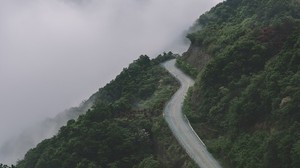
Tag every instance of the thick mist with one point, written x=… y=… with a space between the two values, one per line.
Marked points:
x=56 y=53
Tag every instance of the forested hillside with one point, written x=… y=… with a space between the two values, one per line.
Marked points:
x=124 y=128
x=245 y=58
x=246 y=100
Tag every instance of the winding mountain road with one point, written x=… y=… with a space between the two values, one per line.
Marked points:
x=180 y=125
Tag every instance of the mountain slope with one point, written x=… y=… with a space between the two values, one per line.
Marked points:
x=124 y=128
x=245 y=102
x=245 y=56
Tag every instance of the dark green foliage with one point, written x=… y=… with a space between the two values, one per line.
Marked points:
x=149 y=162
x=186 y=68
x=246 y=101
x=121 y=128
x=164 y=57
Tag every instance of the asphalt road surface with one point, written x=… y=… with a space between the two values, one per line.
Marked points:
x=180 y=125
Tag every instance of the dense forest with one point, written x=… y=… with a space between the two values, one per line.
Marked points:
x=246 y=100
x=245 y=58
x=124 y=128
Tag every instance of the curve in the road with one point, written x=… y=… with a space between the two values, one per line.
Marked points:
x=180 y=126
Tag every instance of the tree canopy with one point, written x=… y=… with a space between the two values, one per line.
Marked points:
x=245 y=102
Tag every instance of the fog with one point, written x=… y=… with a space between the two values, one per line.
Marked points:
x=56 y=53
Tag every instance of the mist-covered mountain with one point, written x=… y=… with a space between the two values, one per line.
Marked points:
x=245 y=58
x=15 y=148
x=56 y=53
x=123 y=128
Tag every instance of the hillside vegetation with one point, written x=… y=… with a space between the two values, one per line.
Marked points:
x=124 y=128
x=245 y=58
x=246 y=100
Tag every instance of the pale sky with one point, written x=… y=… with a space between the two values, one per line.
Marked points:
x=56 y=53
